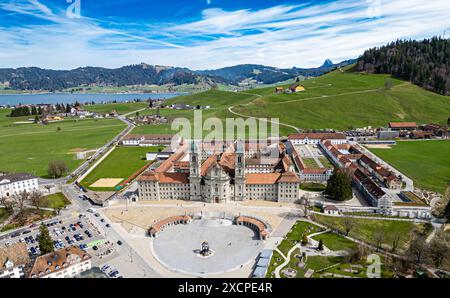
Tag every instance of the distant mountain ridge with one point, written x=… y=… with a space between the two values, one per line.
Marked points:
x=34 y=78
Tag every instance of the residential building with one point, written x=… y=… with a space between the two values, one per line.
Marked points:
x=63 y=263
x=12 y=184
x=14 y=260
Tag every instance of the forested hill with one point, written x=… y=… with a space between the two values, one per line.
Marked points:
x=425 y=63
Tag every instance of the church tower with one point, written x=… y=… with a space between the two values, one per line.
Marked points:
x=194 y=172
x=239 y=172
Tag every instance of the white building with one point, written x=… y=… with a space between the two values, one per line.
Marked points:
x=63 y=263
x=13 y=260
x=314 y=138
x=219 y=178
x=149 y=140
x=11 y=184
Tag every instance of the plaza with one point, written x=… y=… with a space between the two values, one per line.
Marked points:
x=232 y=246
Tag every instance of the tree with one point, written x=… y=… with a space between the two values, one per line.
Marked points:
x=349 y=224
x=36 y=119
x=417 y=249
x=19 y=201
x=36 y=199
x=57 y=168
x=378 y=238
x=320 y=245
x=448 y=121
x=45 y=241
x=304 y=202
x=395 y=241
x=304 y=241
x=439 y=249
x=58 y=128
x=48 y=187
x=150 y=104
x=68 y=108
x=33 y=110
x=339 y=186
x=7 y=203
x=137 y=114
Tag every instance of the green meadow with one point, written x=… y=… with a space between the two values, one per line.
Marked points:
x=30 y=147
x=426 y=162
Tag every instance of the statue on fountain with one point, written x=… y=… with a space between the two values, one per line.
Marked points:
x=206 y=251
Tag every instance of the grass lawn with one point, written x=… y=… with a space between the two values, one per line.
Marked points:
x=426 y=162
x=30 y=147
x=325 y=162
x=295 y=235
x=121 y=163
x=310 y=163
x=4 y=214
x=311 y=186
x=335 y=242
x=56 y=200
x=120 y=108
x=366 y=229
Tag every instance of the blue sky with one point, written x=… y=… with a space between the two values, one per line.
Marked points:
x=205 y=34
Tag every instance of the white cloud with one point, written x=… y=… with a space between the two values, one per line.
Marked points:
x=283 y=36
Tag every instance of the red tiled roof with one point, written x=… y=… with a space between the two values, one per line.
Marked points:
x=402 y=124
x=317 y=135
x=262 y=178
x=288 y=177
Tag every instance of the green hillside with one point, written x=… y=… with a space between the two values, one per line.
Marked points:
x=338 y=100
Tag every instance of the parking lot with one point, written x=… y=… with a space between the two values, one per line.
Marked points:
x=64 y=232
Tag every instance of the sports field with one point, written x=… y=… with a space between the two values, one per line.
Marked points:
x=119 y=165
x=426 y=162
x=30 y=147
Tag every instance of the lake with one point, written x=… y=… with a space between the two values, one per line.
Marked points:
x=53 y=98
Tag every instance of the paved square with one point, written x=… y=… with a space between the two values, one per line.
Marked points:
x=233 y=246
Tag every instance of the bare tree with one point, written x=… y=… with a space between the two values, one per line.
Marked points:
x=36 y=199
x=439 y=249
x=417 y=249
x=305 y=203
x=378 y=237
x=8 y=203
x=48 y=187
x=349 y=224
x=20 y=199
x=395 y=241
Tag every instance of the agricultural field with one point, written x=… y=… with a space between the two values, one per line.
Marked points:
x=367 y=229
x=120 y=108
x=120 y=164
x=30 y=147
x=426 y=162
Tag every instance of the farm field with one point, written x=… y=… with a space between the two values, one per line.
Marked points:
x=120 y=164
x=426 y=162
x=30 y=147
x=120 y=108
x=367 y=229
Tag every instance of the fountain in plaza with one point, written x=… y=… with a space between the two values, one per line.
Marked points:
x=206 y=250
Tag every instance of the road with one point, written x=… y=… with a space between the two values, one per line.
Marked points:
x=129 y=257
